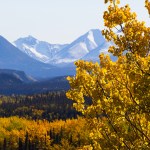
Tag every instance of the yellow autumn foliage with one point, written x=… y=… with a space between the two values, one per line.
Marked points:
x=20 y=133
x=118 y=116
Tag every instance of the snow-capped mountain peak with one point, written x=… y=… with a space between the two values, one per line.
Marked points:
x=39 y=50
x=87 y=46
x=79 y=48
x=58 y=59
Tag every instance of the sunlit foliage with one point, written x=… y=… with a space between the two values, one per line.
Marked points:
x=119 y=116
x=20 y=133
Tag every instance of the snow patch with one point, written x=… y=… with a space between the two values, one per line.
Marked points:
x=91 y=38
x=33 y=53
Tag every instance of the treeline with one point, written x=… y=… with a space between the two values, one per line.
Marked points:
x=49 y=106
x=22 y=134
x=41 y=122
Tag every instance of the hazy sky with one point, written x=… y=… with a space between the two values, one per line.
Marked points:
x=55 y=21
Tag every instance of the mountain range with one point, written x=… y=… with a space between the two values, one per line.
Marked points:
x=87 y=46
x=41 y=59
x=13 y=58
x=29 y=65
x=39 y=50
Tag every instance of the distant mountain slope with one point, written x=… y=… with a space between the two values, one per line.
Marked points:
x=61 y=55
x=11 y=78
x=79 y=48
x=94 y=54
x=7 y=79
x=12 y=58
x=39 y=50
x=43 y=60
x=18 y=87
x=20 y=76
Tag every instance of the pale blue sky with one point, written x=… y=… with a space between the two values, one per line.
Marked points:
x=55 y=21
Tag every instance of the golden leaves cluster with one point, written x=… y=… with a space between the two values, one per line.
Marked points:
x=118 y=113
x=116 y=15
x=147 y=5
x=133 y=35
x=112 y=1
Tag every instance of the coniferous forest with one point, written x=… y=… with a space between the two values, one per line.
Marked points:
x=40 y=121
x=49 y=106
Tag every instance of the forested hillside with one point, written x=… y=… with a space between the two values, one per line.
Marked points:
x=41 y=121
x=49 y=106
x=22 y=134
x=11 y=85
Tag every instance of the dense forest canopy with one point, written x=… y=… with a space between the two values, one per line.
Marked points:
x=49 y=106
